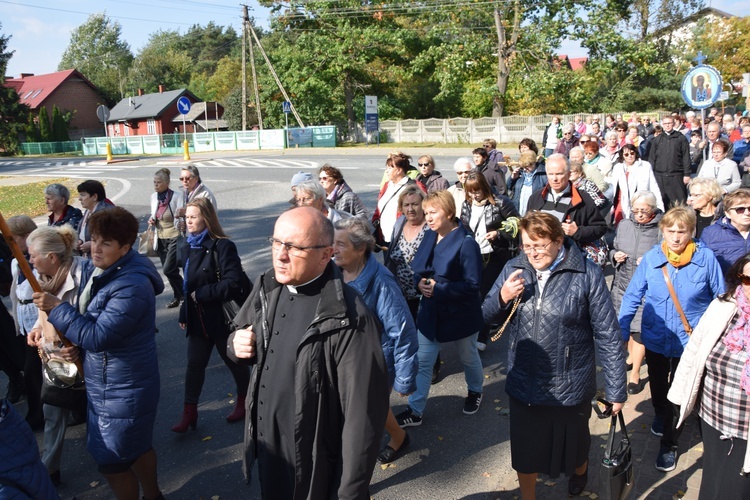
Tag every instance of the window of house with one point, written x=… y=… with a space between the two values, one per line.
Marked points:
x=151 y=126
x=27 y=95
x=36 y=93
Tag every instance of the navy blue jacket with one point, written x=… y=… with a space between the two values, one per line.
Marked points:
x=553 y=337
x=454 y=311
x=726 y=242
x=538 y=181
x=19 y=460
x=120 y=364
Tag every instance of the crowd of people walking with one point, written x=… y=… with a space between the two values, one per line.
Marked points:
x=357 y=306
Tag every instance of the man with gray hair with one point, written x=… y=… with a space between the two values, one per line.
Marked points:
x=463 y=167
x=580 y=218
x=312 y=194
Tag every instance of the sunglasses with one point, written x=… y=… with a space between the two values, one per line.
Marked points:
x=185 y=178
x=740 y=210
x=424 y=164
x=628 y=153
x=744 y=279
x=323 y=178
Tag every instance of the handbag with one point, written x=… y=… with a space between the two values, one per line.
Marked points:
x=63 y=385
x=677 y=305
x=231 y=307
x=616 y=470
x=149 y=243
x=596 y=251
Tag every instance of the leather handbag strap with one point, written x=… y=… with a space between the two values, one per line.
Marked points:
x=685 y=324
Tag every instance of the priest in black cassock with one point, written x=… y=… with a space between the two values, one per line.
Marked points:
x=318 y=395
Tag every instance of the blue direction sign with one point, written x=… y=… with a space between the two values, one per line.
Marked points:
x=286 y=106
x=183 y=105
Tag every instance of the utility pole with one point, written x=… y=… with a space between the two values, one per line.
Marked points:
x=275 y=76
x=244 y=65
x=246 y=23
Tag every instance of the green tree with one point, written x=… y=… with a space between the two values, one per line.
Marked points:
x=13 y=114
x=45 y=130
x=96 y=50
x=32 y=129
x=726 y=43
x=59 y=126
x=329 y=55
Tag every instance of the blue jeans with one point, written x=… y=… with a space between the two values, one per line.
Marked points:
x=427 y=354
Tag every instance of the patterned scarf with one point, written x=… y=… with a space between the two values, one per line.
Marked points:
x=738 y=338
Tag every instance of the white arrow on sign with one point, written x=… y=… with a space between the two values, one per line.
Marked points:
x=183 y=105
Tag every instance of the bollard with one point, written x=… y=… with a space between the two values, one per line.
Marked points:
x=109 y=152
x=186 y=147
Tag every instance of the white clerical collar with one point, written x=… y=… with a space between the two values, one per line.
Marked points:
x=293 y=288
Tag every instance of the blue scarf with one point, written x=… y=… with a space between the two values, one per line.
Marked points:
x=195 y=241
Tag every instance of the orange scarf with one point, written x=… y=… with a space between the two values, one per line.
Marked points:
x=679 y=259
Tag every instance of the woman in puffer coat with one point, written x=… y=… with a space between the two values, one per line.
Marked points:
x=352 y=251
x=114 y=324
x=561 y=315
x=635 y=236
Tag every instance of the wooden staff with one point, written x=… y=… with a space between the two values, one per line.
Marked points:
x=23 y=264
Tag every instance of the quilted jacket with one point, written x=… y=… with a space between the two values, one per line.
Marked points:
x=380 y=291
x=726 y=242
x=696 y=285
x=19 y=460
x=553 y=337
x=117 y=334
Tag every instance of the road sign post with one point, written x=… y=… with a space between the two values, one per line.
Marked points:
x=371 y=117
x=286 y=106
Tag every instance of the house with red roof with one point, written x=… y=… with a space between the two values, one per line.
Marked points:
x=150 y=114
x=70 y=91
x=572 y=63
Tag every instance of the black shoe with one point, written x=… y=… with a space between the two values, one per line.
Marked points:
x=408 y=419
x=388 y=454
x=635 y=388
x=629 y=366
x=174 y=303
x=55 y=478
x=577 y=483
x=472 y=402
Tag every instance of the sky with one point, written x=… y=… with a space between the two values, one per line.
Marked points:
x=40 y=29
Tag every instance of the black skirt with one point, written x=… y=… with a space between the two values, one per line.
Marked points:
x=549 y=439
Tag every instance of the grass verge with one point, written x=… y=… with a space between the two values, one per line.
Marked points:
x=28 y=198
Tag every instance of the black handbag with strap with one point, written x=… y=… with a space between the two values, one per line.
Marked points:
x=232 y=306
x=616 y=471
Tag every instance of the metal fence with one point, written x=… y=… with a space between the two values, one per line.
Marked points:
x=311 y=137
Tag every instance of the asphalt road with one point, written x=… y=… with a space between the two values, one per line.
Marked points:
x=450 y=451
x=452 y=455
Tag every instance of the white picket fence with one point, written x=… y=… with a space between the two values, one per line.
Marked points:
x=504 y=129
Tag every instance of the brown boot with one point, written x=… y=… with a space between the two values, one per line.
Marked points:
x=189 y=418
x=239 y=410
